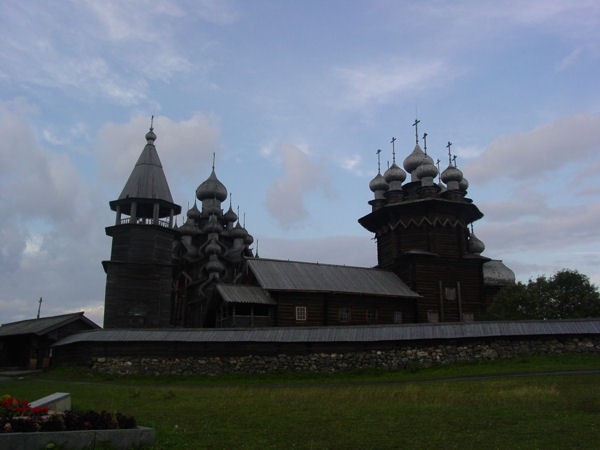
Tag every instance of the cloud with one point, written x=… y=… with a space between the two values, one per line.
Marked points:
x=570 y=59
x=49 y=216
x=184 y=147
x=382 y=82
x=545 y=149
x=108 y=50
x=476 y=19
x=352 y=163
x=286 y=196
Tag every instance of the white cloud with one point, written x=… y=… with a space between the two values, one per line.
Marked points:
x=570 y=59
x=351 y=163
x=49 y=216
x=383 y=82
x=105 y=50
x=185 y=147
x=547 y=148
x=286 y=196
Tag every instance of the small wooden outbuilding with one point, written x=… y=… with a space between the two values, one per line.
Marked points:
x=27 y=343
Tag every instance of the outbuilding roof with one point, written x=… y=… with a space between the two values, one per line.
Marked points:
x=373 y=333
x=278 y=275
x=235 y=293
x=43 y=325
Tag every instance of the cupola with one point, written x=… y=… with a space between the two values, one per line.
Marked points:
x=475 y=245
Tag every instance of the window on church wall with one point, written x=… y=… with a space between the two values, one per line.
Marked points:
x=433 y=316
x=136 y=320
x=468 y=317
x=344 y=314
x=397 y=316
x=450 y=293
x=300 y=313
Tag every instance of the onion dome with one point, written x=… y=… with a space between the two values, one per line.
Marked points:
x=238 y=232
x=150 y=136
x=214 y=265
x=189 y=228
x=463 y=184
x=394 y=174
x=230 y=216
x=213 y=225
x=248 y=240
x=452 y=176
x=194 y=212
x=211 y=188
x=427 y=169
x=378 y=184
x=211 y=206
x=475 y=245
x=496 y=273
x=414 y=160
x=213 y=248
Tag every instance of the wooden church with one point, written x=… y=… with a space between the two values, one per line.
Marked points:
x=204 y=273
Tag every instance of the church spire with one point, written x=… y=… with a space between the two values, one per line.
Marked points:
x=148 y=180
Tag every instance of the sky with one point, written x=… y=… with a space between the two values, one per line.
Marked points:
x=294 y=98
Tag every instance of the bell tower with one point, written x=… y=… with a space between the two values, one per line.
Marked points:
x=139 y=274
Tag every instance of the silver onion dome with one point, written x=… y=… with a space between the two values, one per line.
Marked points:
x=150 y=136
x=213 y=248
x=414 y=160
x=211 y=188
x=194 y=212
x=230 y=216
x=213 y=225
x=451 y=174
x=475 y=245
x=394 y=174
x=238 y=232
x=378 y=183
x=425 y=170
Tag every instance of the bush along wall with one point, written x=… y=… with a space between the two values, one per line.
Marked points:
x=405 y=355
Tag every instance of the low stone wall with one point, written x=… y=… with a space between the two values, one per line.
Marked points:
x=404 y=355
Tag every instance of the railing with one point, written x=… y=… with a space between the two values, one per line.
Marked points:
x=144 y=221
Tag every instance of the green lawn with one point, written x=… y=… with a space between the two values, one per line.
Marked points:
x=427 y=408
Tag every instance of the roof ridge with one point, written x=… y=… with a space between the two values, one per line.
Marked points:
x=315 y=263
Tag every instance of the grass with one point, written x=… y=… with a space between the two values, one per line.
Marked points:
x=424 y=408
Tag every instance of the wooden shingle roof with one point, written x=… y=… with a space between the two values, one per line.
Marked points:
x=278 y=275
x=235 y=293
x=43 y=325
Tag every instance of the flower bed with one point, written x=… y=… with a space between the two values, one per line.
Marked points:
x=24 y=427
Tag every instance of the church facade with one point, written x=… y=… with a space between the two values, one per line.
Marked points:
x=205 y=273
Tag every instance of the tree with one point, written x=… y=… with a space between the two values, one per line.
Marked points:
x=568 y=294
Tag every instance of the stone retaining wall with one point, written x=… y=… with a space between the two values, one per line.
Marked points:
x=404 y=355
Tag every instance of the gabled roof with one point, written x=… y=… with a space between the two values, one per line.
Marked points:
x=235 y=293
x=147 y=180
x=277 y=275
x=43 y=325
